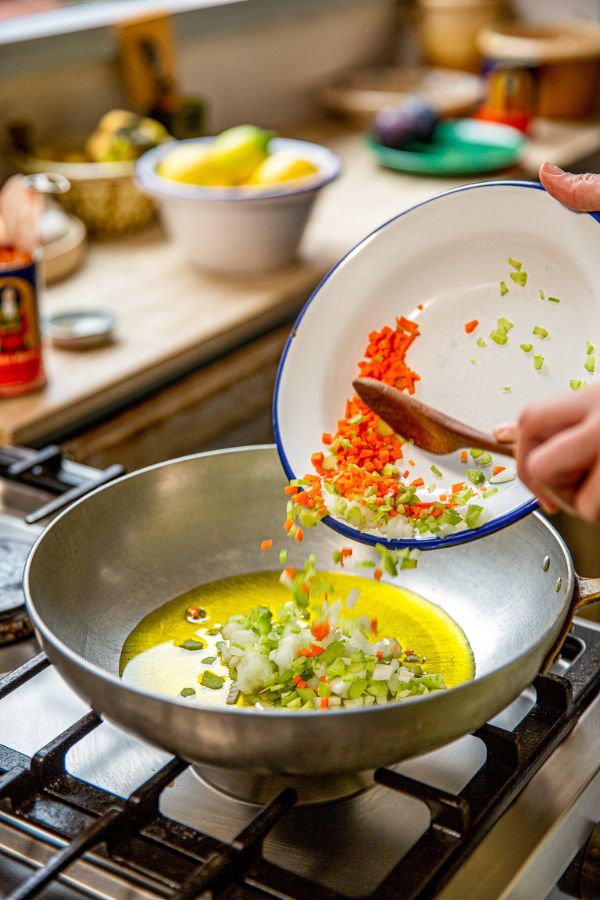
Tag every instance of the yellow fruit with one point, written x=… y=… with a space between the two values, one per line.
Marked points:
x=152 y=130
x=282 y=166
x=193 y=164
x=240 y=150
x=117 y=119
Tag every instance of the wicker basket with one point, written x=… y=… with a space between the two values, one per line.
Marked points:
x=103 y=195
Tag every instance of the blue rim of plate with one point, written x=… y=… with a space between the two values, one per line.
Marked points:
x=459 y=537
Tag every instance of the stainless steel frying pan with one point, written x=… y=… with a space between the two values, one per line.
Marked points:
x=135 y=543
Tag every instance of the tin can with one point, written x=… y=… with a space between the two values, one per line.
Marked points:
x=21 y=366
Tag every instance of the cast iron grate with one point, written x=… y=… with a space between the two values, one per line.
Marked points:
x=131 y=836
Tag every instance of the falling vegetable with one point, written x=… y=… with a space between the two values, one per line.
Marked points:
x=471 y=326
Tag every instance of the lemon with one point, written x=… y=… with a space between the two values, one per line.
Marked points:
x=240 y=150
x=282 y=166
x=193 y=164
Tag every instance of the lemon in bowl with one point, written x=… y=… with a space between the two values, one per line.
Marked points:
x=228 y=216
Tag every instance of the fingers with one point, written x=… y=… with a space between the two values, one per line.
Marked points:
x=506 y=432
x=578 y=192
x=587 y=499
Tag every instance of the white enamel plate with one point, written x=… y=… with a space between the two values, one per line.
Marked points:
x=449 y=255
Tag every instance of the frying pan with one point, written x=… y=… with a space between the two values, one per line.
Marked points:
x=135 y=543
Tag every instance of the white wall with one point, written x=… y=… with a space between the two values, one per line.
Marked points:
x=265 y=74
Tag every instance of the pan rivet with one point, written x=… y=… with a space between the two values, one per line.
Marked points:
x=546 y=563
x=558 y=584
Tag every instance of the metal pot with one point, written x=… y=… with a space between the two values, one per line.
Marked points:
x=133 y=544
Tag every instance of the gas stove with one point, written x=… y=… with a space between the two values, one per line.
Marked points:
x=88 y=811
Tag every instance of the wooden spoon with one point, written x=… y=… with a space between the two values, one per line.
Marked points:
x=434 y=431
x=429 y=429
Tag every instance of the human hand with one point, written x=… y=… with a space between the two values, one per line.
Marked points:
x=558 y=451
x=578 y=192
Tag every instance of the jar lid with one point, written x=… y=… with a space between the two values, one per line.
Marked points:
x=80 y=328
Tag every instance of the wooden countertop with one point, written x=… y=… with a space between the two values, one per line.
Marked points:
x=172 y=319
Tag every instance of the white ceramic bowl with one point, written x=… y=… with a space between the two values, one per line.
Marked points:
x=238 y=229
x=448 y=255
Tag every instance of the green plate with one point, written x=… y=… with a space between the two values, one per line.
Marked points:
x=458 y=147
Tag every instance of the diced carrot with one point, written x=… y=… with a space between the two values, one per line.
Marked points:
x=317 y=649
x=373 y=626
x=458 y=487
x=299 y=536
x=420 y=306
x=326 y=438
x=379 y=655
x=265 y=545
x=346 y=551
x=463 y=456
x=288 y=524
x=377 y=573
x=418 y=482
x=320 y=630
x=497 y=469
x=290 y=571
x=304 y=651
x=324 y=702
x=471 y=326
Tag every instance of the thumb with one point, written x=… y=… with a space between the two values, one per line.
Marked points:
x=578 y=192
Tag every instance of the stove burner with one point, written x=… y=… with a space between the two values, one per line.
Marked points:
x=13 y=555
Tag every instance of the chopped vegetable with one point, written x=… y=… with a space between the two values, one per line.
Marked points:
x=500 y=333
x=515 y=263
x=211 y=680
x=476 y=476
x=503 y=288
x=471 y=326
x=507 y=474
x=538 y=362
x=554 y=299
x=283 y=557
x=590 y=364
x=463 y=456
x=519 y=278
x=506 y=390
x=191 y=645
x=473 y=515
x=481 y=342
x=208 y=660
x=497 y=469
x=187 y=692
x=540 y=332
x=289 y=661
x=527 y=348
x=576 y=384
x=542 y=295
x=436 y=471
x=589 y=347
x=266 y=545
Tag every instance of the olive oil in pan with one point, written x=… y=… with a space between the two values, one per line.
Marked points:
x=153 y=659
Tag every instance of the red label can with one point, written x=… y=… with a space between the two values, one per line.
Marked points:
x=21 y=367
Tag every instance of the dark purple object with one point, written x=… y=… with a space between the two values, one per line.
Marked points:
x=412 y=120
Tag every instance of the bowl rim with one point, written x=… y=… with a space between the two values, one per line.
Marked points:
x=364 y=537
x=150 y=181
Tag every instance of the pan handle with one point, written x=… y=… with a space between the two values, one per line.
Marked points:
x=587 y=591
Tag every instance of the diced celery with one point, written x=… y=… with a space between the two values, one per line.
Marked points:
x=383 y=428
x=436 y=471
x=473 y=514
x=519 y=278
x=538 y=362
x=475 y=476
x=540 y=331
x=354 y=516
x=357 y=688
x=484 y=460
x=506 y=390
x=504 y=324
x=475 y=452
x=542 y=295
x=589 y=347
x=554 y=299
x=499 y=337
x=503 y=288
x=590 y=364
x=283 y=558
x=481 y=342
x=515 y=263
x=527 y=348
x=576 y=384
